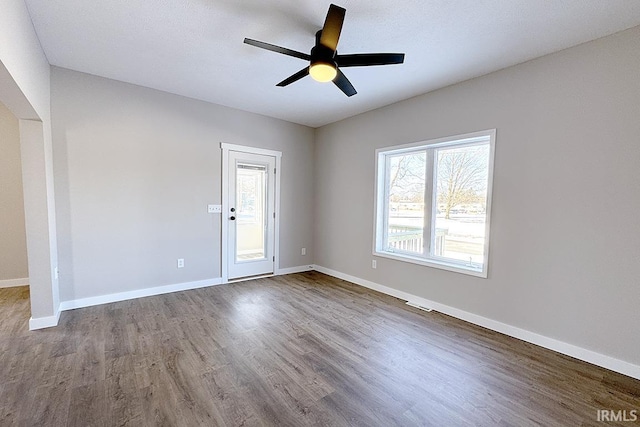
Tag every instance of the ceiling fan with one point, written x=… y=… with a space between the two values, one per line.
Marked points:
x=324 y=60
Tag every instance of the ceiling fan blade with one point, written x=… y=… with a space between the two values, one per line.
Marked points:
x=344 y=84
x=294 y=78
x=366 y=59
x=278 y=49
x=332 y=27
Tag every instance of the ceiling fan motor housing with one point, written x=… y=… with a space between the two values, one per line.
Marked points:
x=322 y=54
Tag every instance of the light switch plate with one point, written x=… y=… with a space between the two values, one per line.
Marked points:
x=214 y=208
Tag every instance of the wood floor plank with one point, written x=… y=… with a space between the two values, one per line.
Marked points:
x=227 y=398
x=88 y=406
x=301 y=350
x=125 y=407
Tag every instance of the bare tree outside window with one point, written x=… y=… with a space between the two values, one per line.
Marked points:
x=462 y=177
x=407 y=176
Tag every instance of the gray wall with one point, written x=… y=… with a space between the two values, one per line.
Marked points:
x=13 y=243
x=135 y=169
x=565 y=240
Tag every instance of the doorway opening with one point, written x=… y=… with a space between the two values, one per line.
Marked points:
x=14 y=270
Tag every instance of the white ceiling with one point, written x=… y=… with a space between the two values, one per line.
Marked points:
x=195 y=47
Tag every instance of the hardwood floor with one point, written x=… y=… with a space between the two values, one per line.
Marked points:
x=297 y=350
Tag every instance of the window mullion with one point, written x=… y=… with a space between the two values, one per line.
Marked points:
x=428 y=203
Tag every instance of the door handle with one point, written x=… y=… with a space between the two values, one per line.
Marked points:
x=232 y=218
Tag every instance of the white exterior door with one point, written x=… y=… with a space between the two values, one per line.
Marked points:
x=249 y=215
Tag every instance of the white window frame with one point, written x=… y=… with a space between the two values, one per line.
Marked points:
x=381 y=168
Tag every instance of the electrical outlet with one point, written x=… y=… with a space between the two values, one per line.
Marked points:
x=303 y=251
x=374 y=263
x=180 y=262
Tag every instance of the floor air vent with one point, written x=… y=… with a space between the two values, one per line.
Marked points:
x=418 y=306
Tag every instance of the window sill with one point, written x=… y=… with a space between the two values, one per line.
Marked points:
x=435 y=263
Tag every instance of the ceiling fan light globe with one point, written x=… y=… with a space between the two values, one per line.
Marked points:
x=323 y=72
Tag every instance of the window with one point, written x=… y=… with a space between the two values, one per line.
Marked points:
x=433 y=202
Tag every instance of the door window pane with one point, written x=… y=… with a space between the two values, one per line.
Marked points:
x=251 y=185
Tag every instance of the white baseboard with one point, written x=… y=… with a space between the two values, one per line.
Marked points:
x=140 y=293
x=11 y=283
x=44 y=322
x=47 y=322
x=581 y=353
x=292 y=270
x=159 y=290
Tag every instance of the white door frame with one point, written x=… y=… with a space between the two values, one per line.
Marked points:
x=226 y=148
